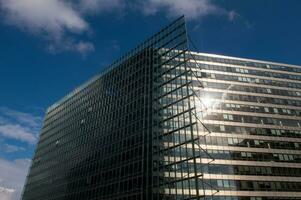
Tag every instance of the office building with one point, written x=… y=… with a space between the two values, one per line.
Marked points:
x=164 y=122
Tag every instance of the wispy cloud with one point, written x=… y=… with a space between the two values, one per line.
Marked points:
x=60 y=22
x=192 y=9
x=100 y=6
x=18 y=125
x=24 y=118
x=232 y=15
x=71 y=45
x=24 y=127
x=63 y=23
x=53 y=20
x=8 y=148
x=12 y=178
x=35 y=14
x=6 y=193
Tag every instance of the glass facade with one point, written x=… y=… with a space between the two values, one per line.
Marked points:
x=167 y=123
x=97 y=142
x=253 y=111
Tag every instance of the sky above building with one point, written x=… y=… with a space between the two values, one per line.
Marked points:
x=49 y=47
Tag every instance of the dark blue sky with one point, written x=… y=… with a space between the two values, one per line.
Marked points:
x=32 y=77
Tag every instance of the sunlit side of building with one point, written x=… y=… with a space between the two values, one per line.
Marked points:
x=253 y=112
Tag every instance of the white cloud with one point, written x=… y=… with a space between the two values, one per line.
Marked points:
x=12 y=178
x=52 y=16
x=192 y=9
x=62 y=22
x=18 y=125
x=8 y=148
x=81 y=47
x=21 y=117
x=96 y=6
x=51 y=19
x=232 y=15
x=15 y=131
x=6 y=193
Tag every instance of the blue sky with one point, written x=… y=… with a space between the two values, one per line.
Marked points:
x=48 y=47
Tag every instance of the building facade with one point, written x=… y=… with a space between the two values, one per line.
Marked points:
x=253 y=112
x=164 y=122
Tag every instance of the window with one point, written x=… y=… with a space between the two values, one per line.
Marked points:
x=220 y=183
x=230 y=141
x=226 y=183
x=228 y=117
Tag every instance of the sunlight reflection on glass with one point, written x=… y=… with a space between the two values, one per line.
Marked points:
x=205 y=105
